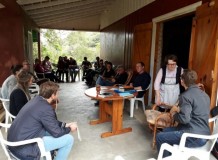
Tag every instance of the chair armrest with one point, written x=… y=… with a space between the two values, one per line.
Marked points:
x=168 y=148
x=213 y=119
x=5 y=125
x=186 y=135
x=39 y=142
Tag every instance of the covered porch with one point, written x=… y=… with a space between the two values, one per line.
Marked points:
x=76 y=106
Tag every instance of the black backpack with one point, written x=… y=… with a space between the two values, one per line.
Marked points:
x=178 y=74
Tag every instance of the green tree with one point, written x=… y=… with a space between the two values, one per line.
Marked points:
x=55 y=43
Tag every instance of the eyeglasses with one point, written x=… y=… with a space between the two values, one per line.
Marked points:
x=171 y=64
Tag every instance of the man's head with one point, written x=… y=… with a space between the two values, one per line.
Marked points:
x=188 y=78
x=140 y=67
x=48 y=90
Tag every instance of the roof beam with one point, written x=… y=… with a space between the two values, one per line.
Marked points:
x=71 y=17
x=50 y=4
x=26 y=2
x=69 y=12
x=68 y=6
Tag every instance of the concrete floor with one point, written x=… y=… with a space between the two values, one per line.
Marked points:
x=75 y=106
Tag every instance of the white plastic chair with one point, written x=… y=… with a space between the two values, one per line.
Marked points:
x=8 y=115
x=34 y=90
x=175 y=155
x=202 y=153
x=10 y=156
x=180 y=151
x=134 y=101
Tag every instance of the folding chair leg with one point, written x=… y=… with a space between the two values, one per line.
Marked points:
x=136 y=104
x=143 y=105
x=132 y=101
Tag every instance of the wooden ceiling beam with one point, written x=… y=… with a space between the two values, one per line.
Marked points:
x=63 y=18
x=26 y=2
x=66 y=7
x=69 y=12
x=48 y=4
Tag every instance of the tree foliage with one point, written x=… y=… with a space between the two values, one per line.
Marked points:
x=55 y=43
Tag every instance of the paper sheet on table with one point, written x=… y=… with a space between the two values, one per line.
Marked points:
x=125 y=94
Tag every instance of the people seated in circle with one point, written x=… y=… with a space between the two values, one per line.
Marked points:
x=37 y=119
x=38 y=68
x=20 y=94
x=107 y=75
x=9 y=84
x=142 y=80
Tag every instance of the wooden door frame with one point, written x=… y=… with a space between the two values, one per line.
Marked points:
x=156 y=21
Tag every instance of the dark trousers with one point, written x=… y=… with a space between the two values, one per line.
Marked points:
x=173 y=136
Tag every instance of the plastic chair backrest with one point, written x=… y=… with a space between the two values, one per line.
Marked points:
x=5 y=103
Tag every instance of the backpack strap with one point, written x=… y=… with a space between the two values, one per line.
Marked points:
x=163 y=74
x=178 y=74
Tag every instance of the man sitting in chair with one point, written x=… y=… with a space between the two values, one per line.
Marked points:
x=38 y=119
x=142 y=79
x=192 y=114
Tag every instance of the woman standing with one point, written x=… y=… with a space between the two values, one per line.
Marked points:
x=20 y=95
x=167 y=82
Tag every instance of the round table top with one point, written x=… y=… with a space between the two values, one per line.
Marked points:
x=106 y=93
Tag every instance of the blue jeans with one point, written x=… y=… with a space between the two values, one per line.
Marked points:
x=103 y=82
x=172 y=136
x=63 y=144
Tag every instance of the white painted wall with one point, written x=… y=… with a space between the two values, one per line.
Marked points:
x=120 y=9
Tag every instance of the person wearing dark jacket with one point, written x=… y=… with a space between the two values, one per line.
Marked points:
x=192 y=114
x=37 y=119
x=20 y=94
x=142 y=80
